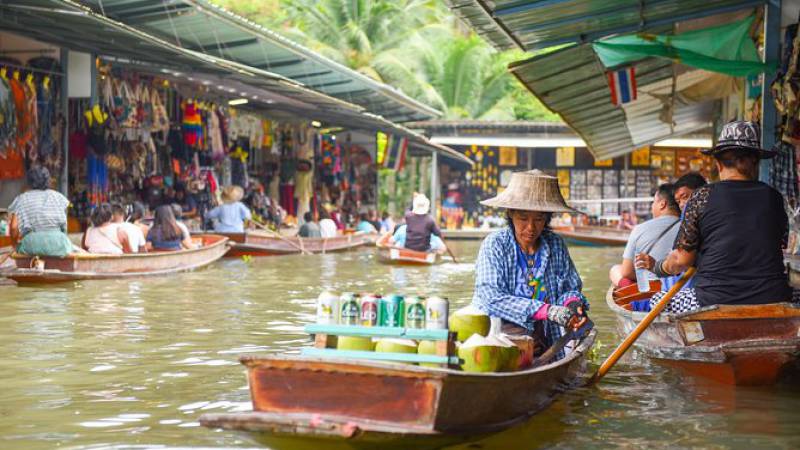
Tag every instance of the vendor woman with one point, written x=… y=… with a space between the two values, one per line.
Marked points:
x=524 y=274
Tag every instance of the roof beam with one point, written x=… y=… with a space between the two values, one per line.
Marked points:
x=332 y=83
x=288 y=62
x=310 y=75
x=222 y=46
x=525 y=6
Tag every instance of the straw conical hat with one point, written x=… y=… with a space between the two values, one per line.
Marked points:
x=531 y=191
x=232 y=194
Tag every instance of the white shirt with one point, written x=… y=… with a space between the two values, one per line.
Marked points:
x=135 y=236
x=327 y=228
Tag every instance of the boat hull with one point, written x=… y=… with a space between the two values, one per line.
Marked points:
x=263 y=244
x=752 y=345
x=373 y=403
x=100 y=267
x=388 y=254
x=593 y=236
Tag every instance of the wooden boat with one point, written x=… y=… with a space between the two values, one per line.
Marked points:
x=742 y=345
x=398 y=255
x=472 y=234
x=98 y=267
x=258 y=243
x=593 y=236
x=384 y=405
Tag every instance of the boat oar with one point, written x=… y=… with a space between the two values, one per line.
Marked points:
x=648 y=319
x=447 y=247
x=281 y=237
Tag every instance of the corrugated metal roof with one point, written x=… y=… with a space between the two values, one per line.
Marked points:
x=531 y=25
x=68 y=24
x=202 y=26
x=572 y=82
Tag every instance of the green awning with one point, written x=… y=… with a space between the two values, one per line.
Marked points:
x=726 y=49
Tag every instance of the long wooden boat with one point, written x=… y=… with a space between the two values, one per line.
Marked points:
x=398 y=255
x=467 y=234
x=98 y=267
x=385 y=405
x=257 y=243
x=593 y=236
x=742 y=345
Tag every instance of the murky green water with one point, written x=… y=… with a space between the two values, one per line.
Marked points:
x=133 y=364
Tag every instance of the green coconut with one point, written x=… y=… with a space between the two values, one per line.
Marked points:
x=358 y=343
x=525 y=345
x=509 y=353
x=427 y=348
x=467 y=321
x=480 y=355
x=396 y=346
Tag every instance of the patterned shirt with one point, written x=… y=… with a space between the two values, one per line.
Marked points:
x=40 y=210
x=496 y=278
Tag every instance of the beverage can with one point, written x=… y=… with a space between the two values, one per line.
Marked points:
x=349 y=309
x=390 y=313
x=369 y=310
x=327 y=308
x=436 y=313
x=414 y=312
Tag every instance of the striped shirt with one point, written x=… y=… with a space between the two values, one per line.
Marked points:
x=40 y=210
x=496 y=279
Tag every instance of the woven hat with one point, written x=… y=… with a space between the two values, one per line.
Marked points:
x=531 y=191
x=232 y=194
x=740 y=134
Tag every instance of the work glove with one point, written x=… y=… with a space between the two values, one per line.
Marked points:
x=566 y=316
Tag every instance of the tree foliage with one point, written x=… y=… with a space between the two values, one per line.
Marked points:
x=414 y=45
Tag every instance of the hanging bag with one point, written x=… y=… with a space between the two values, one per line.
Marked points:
x=160 y=122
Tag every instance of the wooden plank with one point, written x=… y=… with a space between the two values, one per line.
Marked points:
x=376 y=356
x=395 y=332
x=729 y=312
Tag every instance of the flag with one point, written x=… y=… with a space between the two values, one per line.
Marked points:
x=394 y=156
x=622 y=83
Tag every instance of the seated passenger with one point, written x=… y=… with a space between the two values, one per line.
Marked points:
x=136 y=239
x=420 y=226
x=364 y=225
x=309 y=229
x=327 y=227
x=654 y=236
x=230 y=216
x=685 y=186
x=38 y=221
x=186 y=241
x=165 y=234
x=524 y=274
x=399 y=240
x=733 y=231
x=105 y=236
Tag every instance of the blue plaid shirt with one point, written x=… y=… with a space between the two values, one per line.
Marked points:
x=496 y=278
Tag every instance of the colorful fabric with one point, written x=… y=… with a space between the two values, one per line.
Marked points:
x=623 y=85
x=40 y=210
x=496 y=280
x=783 y=172
x=394 y=157
x=683 y=301
x=192 y=125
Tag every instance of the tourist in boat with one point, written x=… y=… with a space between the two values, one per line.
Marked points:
x=626 y=221
x=165 y=234
x=186 y=201
x=387 y=223
x=309 y=229
x=136 y=240
x=105 y=236
x=654 y=236
x=685 y=187
x=230 y=216
x=734 y=232
x=327 y=227
x=186 y=242
x=364 y=224
x=524 y=274
x=420 y=226
x=38 y=220
x=138 y=213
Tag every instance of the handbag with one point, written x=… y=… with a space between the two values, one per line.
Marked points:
x=160 y=117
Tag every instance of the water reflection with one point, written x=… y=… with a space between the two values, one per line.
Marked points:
x=133 y=364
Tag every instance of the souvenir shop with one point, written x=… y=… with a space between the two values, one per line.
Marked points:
x=158 y=138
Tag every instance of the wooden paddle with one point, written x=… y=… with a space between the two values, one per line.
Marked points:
x=281 y=237
x=447 y=247
x=648 y=319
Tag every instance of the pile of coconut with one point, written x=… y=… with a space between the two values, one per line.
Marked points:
x=480 y=342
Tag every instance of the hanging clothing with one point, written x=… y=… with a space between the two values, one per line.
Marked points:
x=303 y=191
x=287 y=198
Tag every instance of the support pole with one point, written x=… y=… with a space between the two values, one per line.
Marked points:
x=93 y=81
x=434 y=182
x=64 y=56
x=769 y=116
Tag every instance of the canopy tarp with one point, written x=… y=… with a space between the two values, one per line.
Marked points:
x=726 y=49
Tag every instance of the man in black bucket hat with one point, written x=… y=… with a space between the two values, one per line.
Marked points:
x=734 y=232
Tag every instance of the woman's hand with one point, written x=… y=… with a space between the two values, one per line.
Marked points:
x=572 y=316
x=645 y=261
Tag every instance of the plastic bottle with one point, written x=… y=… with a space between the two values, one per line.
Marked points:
x=643 y=279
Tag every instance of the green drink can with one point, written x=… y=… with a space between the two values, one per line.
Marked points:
x=349 y=309
x=414 y=312
x=391 y=312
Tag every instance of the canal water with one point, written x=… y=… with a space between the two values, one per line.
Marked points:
x=133 y=364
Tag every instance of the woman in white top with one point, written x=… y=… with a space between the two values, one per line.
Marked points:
x=134 y=232
x=105 y=236
x=327 y=227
